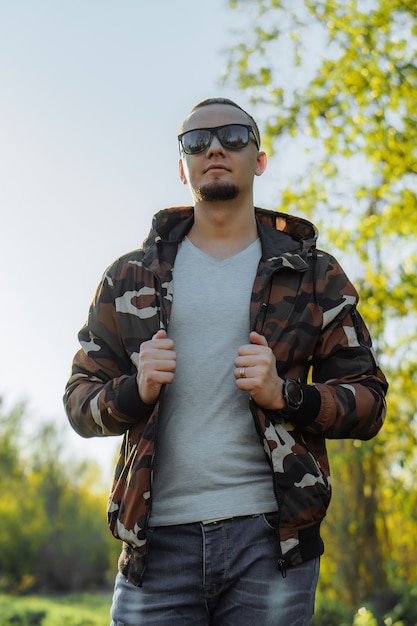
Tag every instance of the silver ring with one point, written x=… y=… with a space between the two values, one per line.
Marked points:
x=242 y=372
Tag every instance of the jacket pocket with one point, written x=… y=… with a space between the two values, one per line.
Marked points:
x=119 y=521
x=303 y=490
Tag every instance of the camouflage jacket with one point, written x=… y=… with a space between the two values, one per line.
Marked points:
x=305 y=306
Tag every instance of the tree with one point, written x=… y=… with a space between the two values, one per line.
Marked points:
x=53 y=531
x=22 y=523
x=335 y=82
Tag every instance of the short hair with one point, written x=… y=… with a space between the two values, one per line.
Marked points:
x=227 y=101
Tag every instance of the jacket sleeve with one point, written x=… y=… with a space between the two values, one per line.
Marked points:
x=101 y=396
x=351 y=385
x=348 y=389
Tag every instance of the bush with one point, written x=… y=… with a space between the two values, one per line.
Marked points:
x=23 y=617
x=331 y=613
x=69 y=610
x=53 y=531
x=404 y=610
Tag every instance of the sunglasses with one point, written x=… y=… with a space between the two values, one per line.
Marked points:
x=231 y=136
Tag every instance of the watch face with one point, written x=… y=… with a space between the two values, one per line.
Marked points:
x=293 y=393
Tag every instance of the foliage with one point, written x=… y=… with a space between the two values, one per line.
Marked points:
x=364 y=617
x=85 y=609
x=53 y=534
x=329 y=612
x=335 y=83
x=92 y=609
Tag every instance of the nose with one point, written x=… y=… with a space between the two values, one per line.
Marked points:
x=215 y=146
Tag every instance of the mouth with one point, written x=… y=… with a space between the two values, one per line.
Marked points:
x=216 y=167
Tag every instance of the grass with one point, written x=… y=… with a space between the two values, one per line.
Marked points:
x=81 y=609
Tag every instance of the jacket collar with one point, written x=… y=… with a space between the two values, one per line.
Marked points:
x=286 y=239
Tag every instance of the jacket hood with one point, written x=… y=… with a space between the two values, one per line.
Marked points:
x=298 y=228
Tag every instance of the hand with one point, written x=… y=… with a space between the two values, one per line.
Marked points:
x=257 y=362
x=157 y=362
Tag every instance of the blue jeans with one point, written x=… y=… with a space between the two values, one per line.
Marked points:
x=218 y=574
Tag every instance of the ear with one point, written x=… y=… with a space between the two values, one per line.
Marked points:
x=261 y=161
x=182 y=172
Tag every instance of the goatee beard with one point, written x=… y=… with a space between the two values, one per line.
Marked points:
x=215 y=192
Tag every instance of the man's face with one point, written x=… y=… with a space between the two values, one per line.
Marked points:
x=218 y=173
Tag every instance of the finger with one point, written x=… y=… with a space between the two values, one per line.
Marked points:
x=246 y=361
x=248 y=370
x=159 y=341
x=157 y=348
x=259 y=345
x=157 y=374
x=162 y=352
x=258 y=339
x=241 y=372
x=162 y=341
x=253 y=352
x=154 y=356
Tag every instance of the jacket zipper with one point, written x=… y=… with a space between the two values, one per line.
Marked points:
x=260 y=320
x=164 y=319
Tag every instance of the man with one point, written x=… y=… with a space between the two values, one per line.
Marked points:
x=225 y=350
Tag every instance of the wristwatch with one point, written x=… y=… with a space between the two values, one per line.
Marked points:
x=293 y=394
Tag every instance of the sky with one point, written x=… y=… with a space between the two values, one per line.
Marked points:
x=91 y=96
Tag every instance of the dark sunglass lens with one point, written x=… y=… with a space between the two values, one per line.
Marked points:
x=196 y=141
x=234 y=136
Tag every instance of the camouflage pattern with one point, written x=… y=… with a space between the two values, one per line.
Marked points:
x=305 y=306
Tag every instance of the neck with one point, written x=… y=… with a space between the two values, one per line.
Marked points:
x=222 y=230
